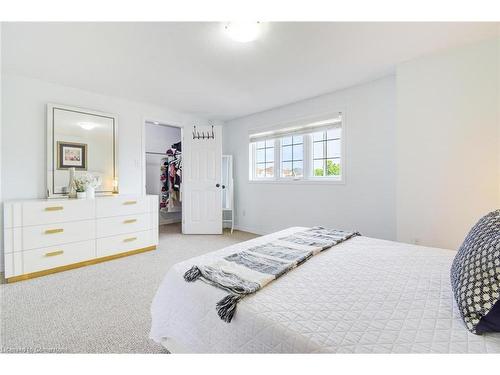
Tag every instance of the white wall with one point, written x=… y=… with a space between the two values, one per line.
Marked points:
x=24 y=127
x=160 y=138
x=447 y=144
x=366 y=202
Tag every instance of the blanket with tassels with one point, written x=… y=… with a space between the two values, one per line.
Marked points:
x=246 y=271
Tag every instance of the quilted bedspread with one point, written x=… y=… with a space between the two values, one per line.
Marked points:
x=363 y=296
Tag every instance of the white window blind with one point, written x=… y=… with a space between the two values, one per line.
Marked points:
x=297 y=128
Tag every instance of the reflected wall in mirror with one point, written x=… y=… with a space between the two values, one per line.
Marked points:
x=84 y=140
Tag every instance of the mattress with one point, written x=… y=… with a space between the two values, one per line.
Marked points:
x=364 y=295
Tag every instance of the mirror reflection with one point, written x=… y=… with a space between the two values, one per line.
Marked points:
x=84 y=141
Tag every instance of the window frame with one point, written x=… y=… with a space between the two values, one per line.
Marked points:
x=307 y=161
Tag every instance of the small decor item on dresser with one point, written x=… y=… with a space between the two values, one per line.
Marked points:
x=92 y=183
x=86 y=184
x=81 y=194
x=80 y=185
x=475 y=276
x=90 y=192
x=71 y=185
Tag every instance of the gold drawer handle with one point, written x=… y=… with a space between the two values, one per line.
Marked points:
x=129 y=202
x=53 y=231
x=130 y=239
x=54 y=253
x=54 y=208
x=129 y=221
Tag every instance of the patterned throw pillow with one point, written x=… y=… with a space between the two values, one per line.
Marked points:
x=475 y=276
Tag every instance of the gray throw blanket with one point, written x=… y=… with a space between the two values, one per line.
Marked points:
x=246 y=271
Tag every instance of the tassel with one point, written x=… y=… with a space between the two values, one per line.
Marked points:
x=192 y=274
x=226 y=307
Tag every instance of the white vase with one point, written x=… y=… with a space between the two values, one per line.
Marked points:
x=90 y=192
x=81 y=194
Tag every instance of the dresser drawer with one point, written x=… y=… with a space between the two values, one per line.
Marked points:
x=121 y=205
x=112 y=226
x=58 y=233
x=56 y=256
x=45 y=212
x=125 y=242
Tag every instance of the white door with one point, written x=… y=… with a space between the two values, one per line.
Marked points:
x=201 y=192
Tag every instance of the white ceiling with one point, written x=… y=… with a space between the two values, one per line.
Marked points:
x=194 y=67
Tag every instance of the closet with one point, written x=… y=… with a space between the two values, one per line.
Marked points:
x=164 y=169
x=194 y=188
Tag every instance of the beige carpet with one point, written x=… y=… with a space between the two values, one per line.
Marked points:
x=98 y=309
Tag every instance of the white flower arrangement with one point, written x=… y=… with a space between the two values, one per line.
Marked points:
x=86 y=180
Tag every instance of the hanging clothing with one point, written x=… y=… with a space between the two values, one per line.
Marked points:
x=170 y=179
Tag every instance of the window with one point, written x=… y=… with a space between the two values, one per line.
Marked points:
x=326 y=153
x=292 y=156
x=312 y=151
x=264 y=159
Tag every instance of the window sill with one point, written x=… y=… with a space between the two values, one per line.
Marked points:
x=300 y=181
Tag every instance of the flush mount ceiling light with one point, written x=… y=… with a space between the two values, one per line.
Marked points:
x=87 y=125
x=242 y=32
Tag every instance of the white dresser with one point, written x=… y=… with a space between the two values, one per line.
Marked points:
x=50 y=235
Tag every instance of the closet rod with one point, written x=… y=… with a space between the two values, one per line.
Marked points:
x=156 y=153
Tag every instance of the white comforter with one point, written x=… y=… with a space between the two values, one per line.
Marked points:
x=361 y=296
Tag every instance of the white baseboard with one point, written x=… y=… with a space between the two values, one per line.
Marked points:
x=169 y=221
x=253 y=230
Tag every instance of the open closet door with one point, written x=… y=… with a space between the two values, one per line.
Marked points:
x=201 y=180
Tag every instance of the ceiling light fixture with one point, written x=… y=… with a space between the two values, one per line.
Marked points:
x=243 y=32
x=87 y=125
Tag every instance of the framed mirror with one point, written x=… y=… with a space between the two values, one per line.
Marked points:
x=82 y=139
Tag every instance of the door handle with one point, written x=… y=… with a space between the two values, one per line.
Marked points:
x=223 y=186
x=217 y=185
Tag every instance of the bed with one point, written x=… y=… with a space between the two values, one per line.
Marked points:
x=364 y=295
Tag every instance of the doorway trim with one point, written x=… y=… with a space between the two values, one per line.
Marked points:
x=173 y=124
